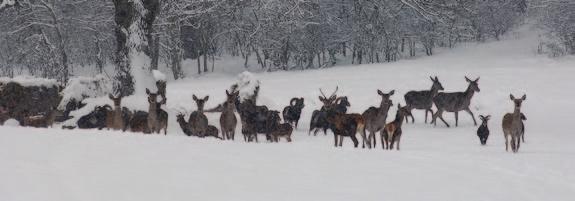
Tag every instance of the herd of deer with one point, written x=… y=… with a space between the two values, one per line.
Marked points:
x=333 y=115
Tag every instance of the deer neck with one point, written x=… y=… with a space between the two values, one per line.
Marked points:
x=434 y=91
x=383 y=108
x=469 y=93
x=152 y=110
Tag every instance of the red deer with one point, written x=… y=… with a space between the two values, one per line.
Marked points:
x=513 y=125
x=392 y=132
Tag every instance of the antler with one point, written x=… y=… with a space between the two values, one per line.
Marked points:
x=334 y=92
x=320 y=91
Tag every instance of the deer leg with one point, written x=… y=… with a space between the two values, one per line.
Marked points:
x=382 y=139
x=354 y=139
x=335 y=139
x=456 y=118
x=398 y=140
x=440 y=115
x=472 y=116
x=341 y=140
x=412 y=119
x=296 y=122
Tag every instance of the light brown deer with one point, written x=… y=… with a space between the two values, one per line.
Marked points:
x=513 y=125
x=228 y=120
x=392 y=131
x=375 y=117
x=157 y=118
x=114 y=119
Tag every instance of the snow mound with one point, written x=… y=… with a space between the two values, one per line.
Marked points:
x=247 y=85
x=12 y=123
x=80 y=88
x=158 y=75
x=31 y=81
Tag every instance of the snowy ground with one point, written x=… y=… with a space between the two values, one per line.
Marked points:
x=435 y=163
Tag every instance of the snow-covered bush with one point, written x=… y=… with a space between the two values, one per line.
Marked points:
x=80 y=88
x=247 y=85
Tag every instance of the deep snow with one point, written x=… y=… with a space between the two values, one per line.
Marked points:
x=435 y=163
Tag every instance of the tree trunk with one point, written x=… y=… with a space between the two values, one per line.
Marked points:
x=133 y=41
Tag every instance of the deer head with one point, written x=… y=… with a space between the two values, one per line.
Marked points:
x=200 y=102
x=473 y=84
x=436 y=84
x=385 y=98
x=117 y=100
x=328 y=101
x=517 y=101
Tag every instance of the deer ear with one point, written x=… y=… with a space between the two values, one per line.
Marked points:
x=147 y=91
x=391 y=92
x=227 y=93
x=436 y=79
x=110 y=96
x=379 y=92
x=481 y=117
x=511 y=97
x=467 y=79
x=477 y=79
x=488 y=117
x=195 y=98
x=524 y=97
x=431 y=78
x=206 y=98
x=321 y=98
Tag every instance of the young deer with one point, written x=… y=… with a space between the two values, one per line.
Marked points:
x=455 y=102
x=375 y=117
x=157 y=118
x=483 y=130
x=211 y=131
x=423 y=100
x=292 y=112
x=114 y=119
x=282 y=130
x=228 y=120
x=513 y=125
x=392 y=131
x=198 y=120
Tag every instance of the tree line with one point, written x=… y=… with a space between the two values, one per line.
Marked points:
x=61 y=38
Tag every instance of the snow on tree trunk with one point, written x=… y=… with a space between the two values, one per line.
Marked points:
x=134 y=36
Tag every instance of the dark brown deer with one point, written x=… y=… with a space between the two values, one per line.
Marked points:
x=157 y=118
x=198 y=120
x=114 y=119
x=292 y=112
x=345 y=125
x=319 y=117
x=513 y=125
x=375 y=117
x=455 y=102
x=423 y=100
x=392 y=132
x=228 y=120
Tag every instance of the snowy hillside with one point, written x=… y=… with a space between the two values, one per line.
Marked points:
x=435 y=163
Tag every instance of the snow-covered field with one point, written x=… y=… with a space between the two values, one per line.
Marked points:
x=435 y=163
